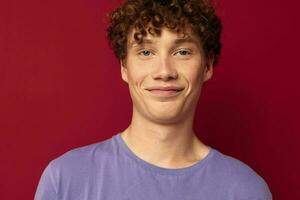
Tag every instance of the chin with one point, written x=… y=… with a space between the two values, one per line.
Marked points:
x=166 y=121
x=166 y=117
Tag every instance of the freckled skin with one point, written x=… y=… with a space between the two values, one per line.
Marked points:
x=168 y=59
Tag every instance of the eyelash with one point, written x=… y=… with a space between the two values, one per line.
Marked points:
x=187 y=51
x=143 y=51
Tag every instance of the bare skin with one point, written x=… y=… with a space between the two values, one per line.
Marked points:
x=161 y=130
x=166 y=152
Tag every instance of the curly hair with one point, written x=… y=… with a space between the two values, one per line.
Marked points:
x=150 y=16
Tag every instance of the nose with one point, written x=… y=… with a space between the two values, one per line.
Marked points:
x=164 y=70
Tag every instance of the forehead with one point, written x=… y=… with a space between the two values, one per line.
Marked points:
x=176 y=38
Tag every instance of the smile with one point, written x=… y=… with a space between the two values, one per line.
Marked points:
x=164 y=92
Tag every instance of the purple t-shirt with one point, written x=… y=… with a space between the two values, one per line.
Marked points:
x=109 y=170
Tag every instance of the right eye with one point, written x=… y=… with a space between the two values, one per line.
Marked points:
x=145 y=53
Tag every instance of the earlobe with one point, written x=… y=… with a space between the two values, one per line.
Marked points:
x=124 y=72
x=208 y=72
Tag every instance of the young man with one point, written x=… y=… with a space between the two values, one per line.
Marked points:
x=167 y=50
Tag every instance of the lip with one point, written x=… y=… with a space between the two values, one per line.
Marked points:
x=164 y=91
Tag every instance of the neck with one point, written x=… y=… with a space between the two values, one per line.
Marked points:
x=166 y=145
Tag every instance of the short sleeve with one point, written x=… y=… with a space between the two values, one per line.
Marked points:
x=47 y=188
x=255 y=188
x=263 y=193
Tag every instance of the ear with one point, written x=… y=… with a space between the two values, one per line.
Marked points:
x=124 y=71
x=208 y=70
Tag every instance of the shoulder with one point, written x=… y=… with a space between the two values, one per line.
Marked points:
x=83 y=158
x=74 y=169
x=243 y=180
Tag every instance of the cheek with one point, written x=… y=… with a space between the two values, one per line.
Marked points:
x=194 y=75
x=136 y=76
x=138 y=72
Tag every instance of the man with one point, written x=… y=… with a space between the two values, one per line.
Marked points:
x=167 y=50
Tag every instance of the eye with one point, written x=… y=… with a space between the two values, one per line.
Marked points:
x=184 y=52
x=145 y=53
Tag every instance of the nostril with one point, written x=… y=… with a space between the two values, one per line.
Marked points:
x=166 y=76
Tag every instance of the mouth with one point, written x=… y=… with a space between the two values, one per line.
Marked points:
x=165 y=91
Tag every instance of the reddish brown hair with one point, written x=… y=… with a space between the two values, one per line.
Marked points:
x=149 y=16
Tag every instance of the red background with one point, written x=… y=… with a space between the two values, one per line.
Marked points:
x=61 y=88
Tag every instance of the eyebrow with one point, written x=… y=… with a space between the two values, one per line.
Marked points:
x=145 y=41
x=186 y=40
x=177 y=41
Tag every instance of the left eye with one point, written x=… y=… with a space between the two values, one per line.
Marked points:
x=145 y=53
x=183 y=52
